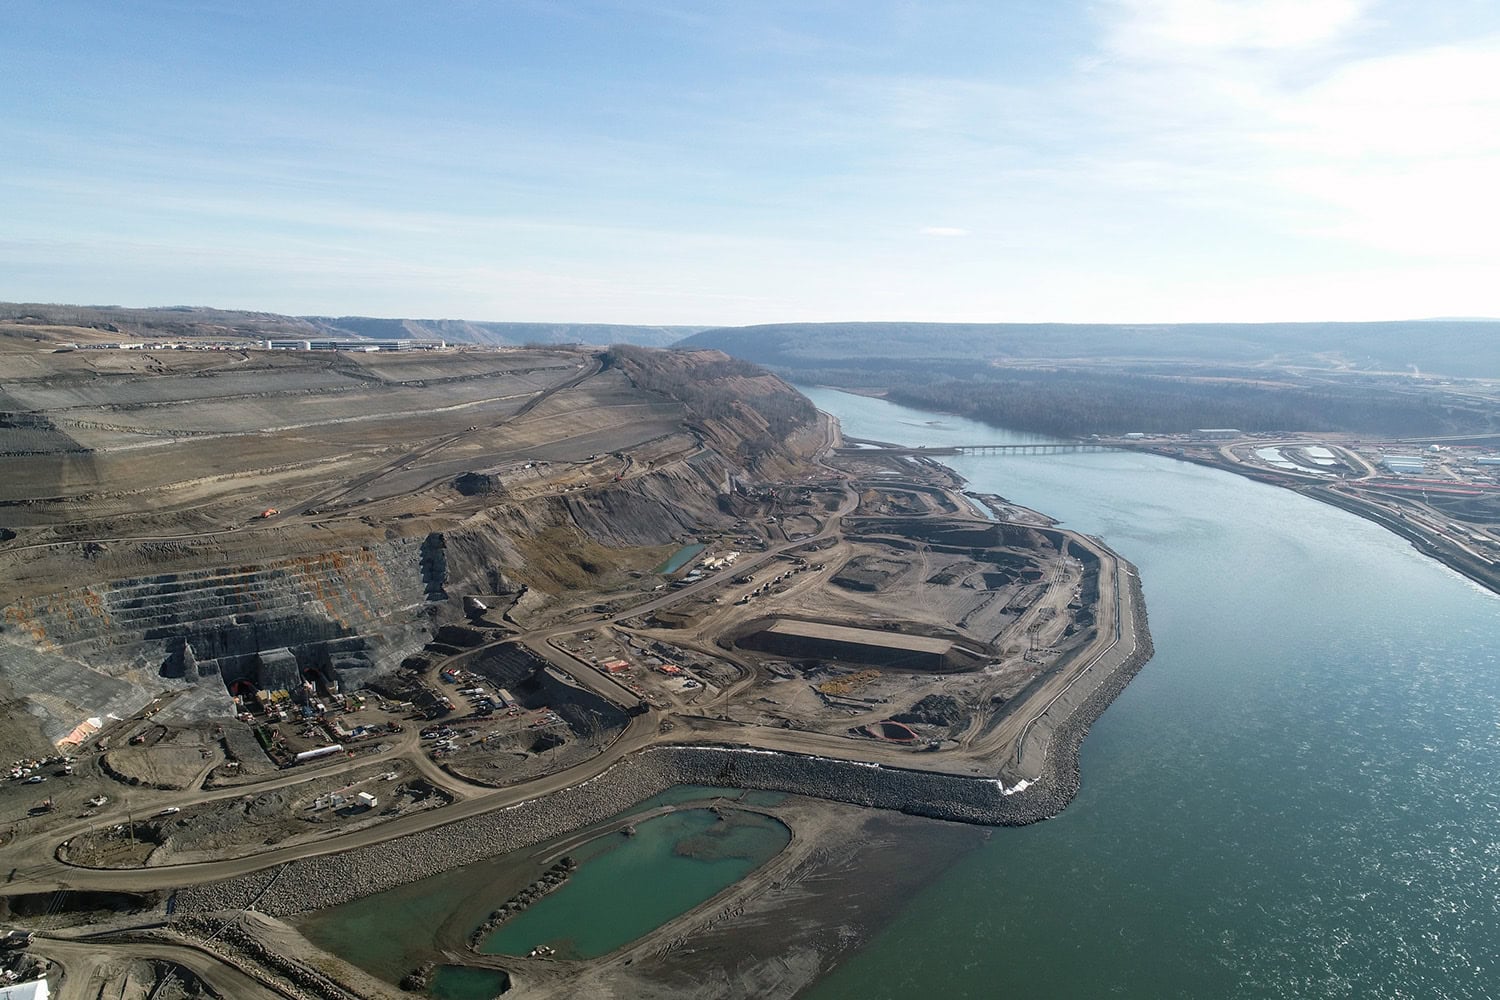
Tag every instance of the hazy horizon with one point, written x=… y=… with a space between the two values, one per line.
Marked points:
x=167 y=307
x=647 y=162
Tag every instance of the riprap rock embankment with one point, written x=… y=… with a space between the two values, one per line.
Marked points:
x=319 y=882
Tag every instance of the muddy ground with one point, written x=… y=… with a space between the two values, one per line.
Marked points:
x=847 y=872
x=234 y=823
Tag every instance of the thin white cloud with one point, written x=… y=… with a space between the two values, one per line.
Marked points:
x=1153 y=28
x=1143 y=160
x=1283 y=115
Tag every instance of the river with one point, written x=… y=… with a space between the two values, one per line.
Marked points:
x=1299 y=796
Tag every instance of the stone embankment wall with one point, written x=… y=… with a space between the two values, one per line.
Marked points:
x=242 y=950
x=315 y=883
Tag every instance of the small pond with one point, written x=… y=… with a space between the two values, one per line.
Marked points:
x=680 y=558
x=673 y=862
x=625 y=886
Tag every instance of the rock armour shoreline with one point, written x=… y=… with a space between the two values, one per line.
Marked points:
x=319 y=882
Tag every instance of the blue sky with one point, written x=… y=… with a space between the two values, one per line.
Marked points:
x=646 y=161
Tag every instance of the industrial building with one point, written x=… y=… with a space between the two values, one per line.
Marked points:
x=354 y=345
x=1403 y=465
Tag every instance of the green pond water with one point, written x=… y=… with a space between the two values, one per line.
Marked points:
x=673 y=863
x=459 y=982
x=680 y=558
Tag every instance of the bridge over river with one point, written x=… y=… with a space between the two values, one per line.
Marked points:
x=1059 y=448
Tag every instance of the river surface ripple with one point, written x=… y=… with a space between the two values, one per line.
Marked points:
x=1299 y=796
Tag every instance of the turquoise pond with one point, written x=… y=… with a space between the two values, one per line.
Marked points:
x=674 y=862
x=680 y=558
x=624 y=887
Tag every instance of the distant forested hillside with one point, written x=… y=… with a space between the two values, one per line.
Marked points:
x=1074 y=380
x=1076 y=404
x=1459 y=348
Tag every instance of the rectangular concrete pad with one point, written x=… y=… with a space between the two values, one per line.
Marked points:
x=863 y=636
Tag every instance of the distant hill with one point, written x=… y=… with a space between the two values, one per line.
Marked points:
x=1459 y=348
x=165 y=323
x=200 y=322
x=458 y=331
x=1465 y=348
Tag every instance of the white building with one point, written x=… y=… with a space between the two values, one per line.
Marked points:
x=34 y=990
x=1403 y=465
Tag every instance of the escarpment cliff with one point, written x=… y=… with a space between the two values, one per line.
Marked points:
x=336 y=617
x=745 y=412
x=327 y=554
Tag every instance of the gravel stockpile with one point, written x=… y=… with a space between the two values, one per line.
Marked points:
x=319 y=882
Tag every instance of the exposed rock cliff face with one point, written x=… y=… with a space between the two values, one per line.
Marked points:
x=744 y=412
x=108 y=647
x=207 y=616
x=748 y=423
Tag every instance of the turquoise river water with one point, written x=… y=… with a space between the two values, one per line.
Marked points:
x=1299 y=796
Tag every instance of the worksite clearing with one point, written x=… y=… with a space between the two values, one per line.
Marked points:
x=265 y=610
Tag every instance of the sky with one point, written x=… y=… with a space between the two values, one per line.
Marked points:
x=712 y=163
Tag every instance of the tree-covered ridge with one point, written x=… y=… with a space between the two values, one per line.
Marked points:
x=1078 y=379
x=1075 y=404
x=1459 y=348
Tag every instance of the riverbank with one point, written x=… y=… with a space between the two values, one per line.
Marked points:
x=1430 y=544
x=1036 y=779
x=1050 y=744
x=846 y=874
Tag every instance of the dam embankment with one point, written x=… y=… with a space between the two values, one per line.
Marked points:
x=323 y=881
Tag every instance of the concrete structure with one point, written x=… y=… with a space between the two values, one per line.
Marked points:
x=1403 y=465
x=876 y=647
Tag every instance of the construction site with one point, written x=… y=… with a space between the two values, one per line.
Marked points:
x=1440 y=493
x=284 y=630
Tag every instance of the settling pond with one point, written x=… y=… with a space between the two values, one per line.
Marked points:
x=624 y=887
x=680 y=558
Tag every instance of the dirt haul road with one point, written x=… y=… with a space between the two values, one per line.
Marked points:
x=91 y=967
x=1028 y=727
x=1059 y=691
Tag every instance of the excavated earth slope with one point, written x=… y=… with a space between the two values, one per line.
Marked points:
x=197 y=520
